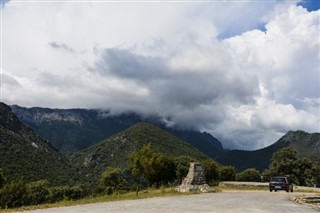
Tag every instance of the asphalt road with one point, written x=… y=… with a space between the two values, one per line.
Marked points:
x=238 y=201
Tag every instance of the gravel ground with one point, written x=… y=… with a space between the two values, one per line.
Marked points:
x=229 y=201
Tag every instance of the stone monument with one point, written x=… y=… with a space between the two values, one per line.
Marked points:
x=195 y=180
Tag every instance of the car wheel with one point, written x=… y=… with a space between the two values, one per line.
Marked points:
x=275 y=190
x=270 y=190
x=287 y=190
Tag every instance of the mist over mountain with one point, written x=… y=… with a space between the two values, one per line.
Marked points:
x=71 y=130
x=97 y=140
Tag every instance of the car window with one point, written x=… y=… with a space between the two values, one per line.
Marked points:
x=278 y=179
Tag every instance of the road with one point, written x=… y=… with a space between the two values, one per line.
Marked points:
x=233 y=201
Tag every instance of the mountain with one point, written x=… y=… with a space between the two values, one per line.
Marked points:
x=115 y=151
x=71 y=130
x=25 y=154
x=306 y=144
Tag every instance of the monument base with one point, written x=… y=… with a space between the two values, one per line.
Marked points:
x=194 y=188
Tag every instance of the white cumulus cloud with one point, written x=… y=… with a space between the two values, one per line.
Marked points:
x=247 y=79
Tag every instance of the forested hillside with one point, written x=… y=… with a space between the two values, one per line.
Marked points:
x=24 y=154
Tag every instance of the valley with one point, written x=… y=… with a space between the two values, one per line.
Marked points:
x=96 y=148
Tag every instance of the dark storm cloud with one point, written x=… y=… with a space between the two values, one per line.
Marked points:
x=176 y=90
x=125 y=64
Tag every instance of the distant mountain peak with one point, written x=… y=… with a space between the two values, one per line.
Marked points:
x=71 y=130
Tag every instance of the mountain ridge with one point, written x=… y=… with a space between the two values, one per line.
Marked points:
x=80 y=124
x=261 y=158
x=116 y=150
x=71 y=130
x=25 y=154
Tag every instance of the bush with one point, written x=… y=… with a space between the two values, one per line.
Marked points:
x=111 y=181
x=15 y=194
x=250 y=174
x=211 y=171
x=3 y=179
x=39 y=192
x=227 y=173
x=59 y=193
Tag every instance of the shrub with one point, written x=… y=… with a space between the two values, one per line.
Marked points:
x=111 y=181
x=15 y=194
x=59 y=193
x=211 y=171
x=227 y=173
x=39 y=192
x=3 y=179
x=250 y=174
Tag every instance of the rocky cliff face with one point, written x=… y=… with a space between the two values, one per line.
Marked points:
x=37 y=116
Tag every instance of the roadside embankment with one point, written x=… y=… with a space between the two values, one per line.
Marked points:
x=262 y=185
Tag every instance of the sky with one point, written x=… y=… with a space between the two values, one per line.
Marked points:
x=245 y=71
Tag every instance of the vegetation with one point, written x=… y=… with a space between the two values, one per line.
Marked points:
x=112 y=181
x=303 y=172
x=140 y=157
x=227 y=173
x=211 y=170
x=24 y=154
x=18 y=193
x=306 y=145
x=72 y=130
x=251 y=175
x=151 y=165
x=3 y=179
x=116 y=151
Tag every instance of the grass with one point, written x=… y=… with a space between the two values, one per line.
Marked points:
x=162 y=192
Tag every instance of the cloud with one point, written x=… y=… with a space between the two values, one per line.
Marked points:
x=61 y=46
x=246 y=83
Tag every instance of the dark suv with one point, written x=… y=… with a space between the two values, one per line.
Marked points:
x=280 y=183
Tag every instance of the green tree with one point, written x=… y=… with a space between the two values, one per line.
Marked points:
x=112 y=180
x=16 y=193
x=301 y=171
x=227 y=173
x=211 y=170
x=39 y=192
x=3 y=179
x=250 y=174
x=306 y=172
x=149 y=164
